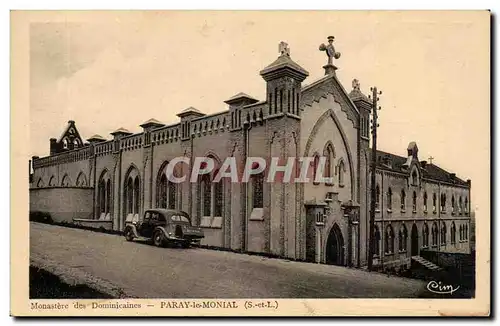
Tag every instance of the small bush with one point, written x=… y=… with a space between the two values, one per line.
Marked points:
x=41 y=217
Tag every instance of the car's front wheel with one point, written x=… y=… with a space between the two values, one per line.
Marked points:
x=129 y=234
x=158 y=238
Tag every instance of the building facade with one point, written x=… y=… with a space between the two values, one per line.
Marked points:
x=104 y=182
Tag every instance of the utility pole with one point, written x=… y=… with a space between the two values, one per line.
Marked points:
x=375 y=125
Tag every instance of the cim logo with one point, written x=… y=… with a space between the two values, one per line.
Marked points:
x=440 y=288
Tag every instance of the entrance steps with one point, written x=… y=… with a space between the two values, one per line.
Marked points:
x=427 y=264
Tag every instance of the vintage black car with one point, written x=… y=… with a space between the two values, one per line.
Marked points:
x=164 y=227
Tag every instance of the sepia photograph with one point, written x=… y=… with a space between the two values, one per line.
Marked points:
x=219 y=162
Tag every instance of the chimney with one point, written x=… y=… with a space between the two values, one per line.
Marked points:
x=53 y=146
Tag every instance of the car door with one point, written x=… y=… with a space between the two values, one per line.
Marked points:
x=145 y=228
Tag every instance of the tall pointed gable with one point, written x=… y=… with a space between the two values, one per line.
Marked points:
x=330 y=84
x=69 y=139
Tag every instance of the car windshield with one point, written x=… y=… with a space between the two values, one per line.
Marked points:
x=180 y=218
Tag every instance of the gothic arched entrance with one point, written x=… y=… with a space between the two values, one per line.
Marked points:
x=414 y=240
x=335 y=247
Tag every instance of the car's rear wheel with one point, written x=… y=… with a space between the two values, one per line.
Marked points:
x=158 y=238
x=129 y=235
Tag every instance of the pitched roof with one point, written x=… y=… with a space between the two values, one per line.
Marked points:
x=188 y=111
x=121 y=130
x=431 y=171
x=96 y=137
x=284 y=61
x=241 y=96
x=152 y=122
x=357 y=95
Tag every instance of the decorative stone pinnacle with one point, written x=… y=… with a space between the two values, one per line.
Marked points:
x=284 y=49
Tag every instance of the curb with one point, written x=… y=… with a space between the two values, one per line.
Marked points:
x=74 y=276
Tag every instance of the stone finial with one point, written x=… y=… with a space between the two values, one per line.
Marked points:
x=356 y=85
x=284 y=49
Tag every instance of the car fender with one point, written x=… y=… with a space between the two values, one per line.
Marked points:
x=162 y=229
x=134 y=229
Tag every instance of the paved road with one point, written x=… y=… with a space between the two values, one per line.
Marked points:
x=141 y=270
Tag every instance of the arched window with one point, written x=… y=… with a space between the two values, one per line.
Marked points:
x=329 y=156
x=103 y=194
x=52 y=181
x=461 y=232
x=466 y=235
x=414 y=202
x=460 y=205
x=466 y=207
x=376 y=250
x=425 y=236
x=258 y=190
x=389 y=199
x=403 y=200
x=377 y=197
x=453 y=204
x=167 y=192
x=425 y=202
x=81 y=180
x=434 y=234
x=434 y=204
x=66 y=182
x=443 y=203
x=132 y=193
x=211 y=194
x=136 y=198
x=315 y=167
x=453 y=233
x=341 y=168
x=40 y=183
x=65 y=143
x=389 y=240
x=403 y=238
x=129 y=197
x=443 y=233
x=206 y=195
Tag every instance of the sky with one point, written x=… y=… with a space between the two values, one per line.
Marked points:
x=107 y=70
